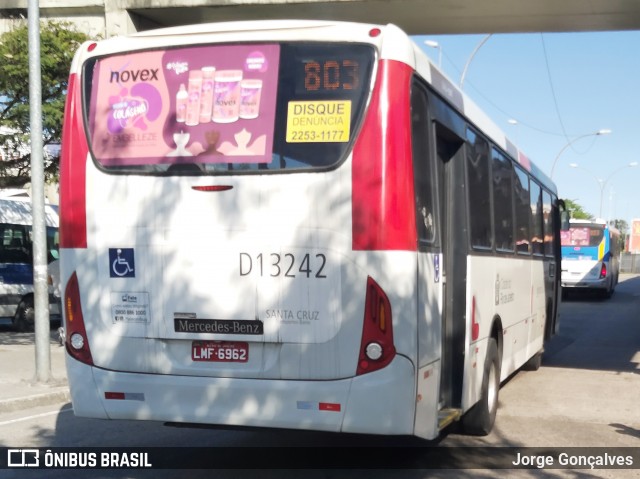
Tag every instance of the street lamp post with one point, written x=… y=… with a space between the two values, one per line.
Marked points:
x=603 y=183
x=434 y=44
x=473 y=54
x=603 y=131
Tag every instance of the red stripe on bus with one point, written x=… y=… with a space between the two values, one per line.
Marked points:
x=73 y=163
x=383 y=203
x=329 y=406
x=114 y=395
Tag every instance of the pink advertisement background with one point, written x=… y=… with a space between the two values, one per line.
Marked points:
x=132 y=115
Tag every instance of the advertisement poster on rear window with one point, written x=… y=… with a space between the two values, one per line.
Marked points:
x=208 y=104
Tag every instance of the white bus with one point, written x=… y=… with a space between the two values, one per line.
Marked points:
x=295 y=224
x=590 y=257
x=16 y=263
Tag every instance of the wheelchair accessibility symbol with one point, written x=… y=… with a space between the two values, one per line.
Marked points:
x=122 y=263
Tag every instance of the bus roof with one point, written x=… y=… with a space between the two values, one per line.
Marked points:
x=597 y=222
x=17 y=211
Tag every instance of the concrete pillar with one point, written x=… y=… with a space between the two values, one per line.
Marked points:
x=117 y=18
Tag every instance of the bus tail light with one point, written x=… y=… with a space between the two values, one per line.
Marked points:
x=603 y=270
x=376 y=348
x=76 y=342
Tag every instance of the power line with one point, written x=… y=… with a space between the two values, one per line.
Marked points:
x=498 y=108
x=553 y=91
x=479 y=93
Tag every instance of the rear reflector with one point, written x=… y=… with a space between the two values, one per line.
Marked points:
x=120 y=396
x=329 y=406
x=212 y=188
x=110 y=395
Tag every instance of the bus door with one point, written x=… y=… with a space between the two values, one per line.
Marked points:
x=451 y=202
x=433 y=147
x=550 y=212
x=449 y=133
x=430 y=263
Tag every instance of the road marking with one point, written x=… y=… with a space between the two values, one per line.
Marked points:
x=35 y=416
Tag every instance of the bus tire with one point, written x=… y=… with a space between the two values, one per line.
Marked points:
x=479 y=420
x=24 y=319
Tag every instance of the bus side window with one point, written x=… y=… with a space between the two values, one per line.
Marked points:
x=422 y=166
x=523 y=212
x=502 y=171
x=537 y=235
x=16 y=247
x=479 y=187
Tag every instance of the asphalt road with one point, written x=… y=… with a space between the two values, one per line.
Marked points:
x=585 y=395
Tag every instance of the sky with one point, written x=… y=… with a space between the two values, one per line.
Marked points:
x=550 y=93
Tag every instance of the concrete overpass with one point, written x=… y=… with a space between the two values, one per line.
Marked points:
x=115 y=17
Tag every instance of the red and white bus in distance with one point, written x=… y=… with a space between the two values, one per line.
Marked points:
x=295 y=224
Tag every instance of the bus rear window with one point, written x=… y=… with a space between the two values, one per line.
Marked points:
x=226 y=108
x=582 y=236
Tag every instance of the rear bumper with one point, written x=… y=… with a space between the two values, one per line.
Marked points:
x=382 y=402
x=586 y=284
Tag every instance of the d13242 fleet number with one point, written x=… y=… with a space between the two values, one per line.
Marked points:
x=288 y=265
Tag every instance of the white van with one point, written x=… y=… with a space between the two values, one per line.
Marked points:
x=16 y=263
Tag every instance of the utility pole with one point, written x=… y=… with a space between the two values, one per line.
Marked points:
x=39 y=232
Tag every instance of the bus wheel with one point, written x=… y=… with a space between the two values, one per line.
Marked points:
x=478 y=421
x=25 y=315
x=611 y=289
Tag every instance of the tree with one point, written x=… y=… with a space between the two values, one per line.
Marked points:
x=623 y=227
x=620 y=225
x=576 y=210
x=58 y=43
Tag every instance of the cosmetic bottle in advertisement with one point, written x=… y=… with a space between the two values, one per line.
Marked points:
x=250 y=91
x=181 y=104
x=226 y=96
x=206 y=99
x=193 y=103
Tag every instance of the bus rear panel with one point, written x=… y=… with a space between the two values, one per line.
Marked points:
x=590 y=257
x=212 y=258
